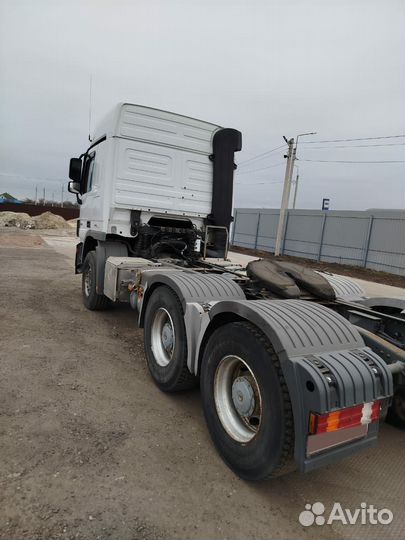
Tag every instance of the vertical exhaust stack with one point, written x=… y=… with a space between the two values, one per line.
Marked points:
x=225 y=143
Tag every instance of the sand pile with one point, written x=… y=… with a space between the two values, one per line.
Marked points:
x=72 y=223
x=16 y=219
x=47 y=220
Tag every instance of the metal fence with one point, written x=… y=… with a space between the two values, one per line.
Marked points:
x=373 y=238
x=67 y=212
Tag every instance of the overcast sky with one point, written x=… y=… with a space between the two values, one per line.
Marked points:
x=268 y=68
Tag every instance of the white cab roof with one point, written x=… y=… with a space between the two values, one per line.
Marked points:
x=140 y=123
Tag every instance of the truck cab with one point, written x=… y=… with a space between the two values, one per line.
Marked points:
x=149 y=171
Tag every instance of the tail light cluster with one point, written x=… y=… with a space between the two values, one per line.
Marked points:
x=359 y=415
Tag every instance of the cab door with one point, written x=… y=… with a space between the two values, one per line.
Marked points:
x=91 y=211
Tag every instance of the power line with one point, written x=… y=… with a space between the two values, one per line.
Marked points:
x=358 y=139
x=354 y=146
x=349 y=161
x=261 y=169
x=261 y=155
x=258 y=183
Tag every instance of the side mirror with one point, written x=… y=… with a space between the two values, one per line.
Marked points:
x=75 y=170
x=74 y=187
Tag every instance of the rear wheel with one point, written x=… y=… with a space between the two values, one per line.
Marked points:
x=166 y=343
x=91 y=299
x=246 y=402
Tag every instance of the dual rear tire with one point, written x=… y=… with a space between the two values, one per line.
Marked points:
x=245 y=398
x=246 y=402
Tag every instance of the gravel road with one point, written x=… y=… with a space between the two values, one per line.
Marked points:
x=90 y=448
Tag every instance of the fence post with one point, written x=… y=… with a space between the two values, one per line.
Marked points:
x=257 y=228
x=285 y=231
x=234 y=228
x=367 y=240
x=321 y=238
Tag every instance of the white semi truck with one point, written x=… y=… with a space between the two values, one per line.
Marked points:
x=287 y=381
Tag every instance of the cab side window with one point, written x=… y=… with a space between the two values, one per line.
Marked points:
x=88 y=173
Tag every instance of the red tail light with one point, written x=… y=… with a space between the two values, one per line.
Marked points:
x=344 y=418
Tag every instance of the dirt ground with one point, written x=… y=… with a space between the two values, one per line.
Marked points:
x=19 y=240
x=90 y=448
x=343 y=269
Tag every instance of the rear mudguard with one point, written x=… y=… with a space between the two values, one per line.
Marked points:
x=345 y=288
x=189 y=286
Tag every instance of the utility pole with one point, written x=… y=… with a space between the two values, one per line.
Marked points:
x=286 y=194
x=291 y=156
x=44 y=197
x=61 y=200
x=295 y=157
x=36 y=194
x=296 y=187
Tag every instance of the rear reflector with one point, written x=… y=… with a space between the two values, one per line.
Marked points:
x=344 y=418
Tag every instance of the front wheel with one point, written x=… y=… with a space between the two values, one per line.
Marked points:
x=91 y=299
x=246 y=402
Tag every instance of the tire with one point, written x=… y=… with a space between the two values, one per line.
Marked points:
x=91 y=299
x=257 y=439
x=166 y=343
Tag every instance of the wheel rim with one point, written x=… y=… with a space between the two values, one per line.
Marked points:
x=87 y=281
x=237 y=399
x=163 y=338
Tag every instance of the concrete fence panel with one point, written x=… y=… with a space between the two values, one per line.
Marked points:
x=372 y=239
x=303 y=235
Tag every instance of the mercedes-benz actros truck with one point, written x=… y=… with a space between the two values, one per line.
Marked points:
x=292 y=372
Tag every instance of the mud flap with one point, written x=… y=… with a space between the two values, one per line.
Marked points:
x=79 y=258
x=103 y=251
